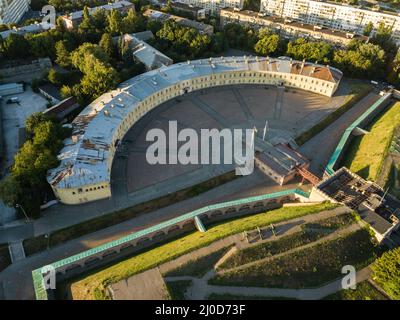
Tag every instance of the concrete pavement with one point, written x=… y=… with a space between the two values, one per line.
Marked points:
x=326 y=141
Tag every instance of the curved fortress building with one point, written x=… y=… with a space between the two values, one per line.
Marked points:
x=84 y=172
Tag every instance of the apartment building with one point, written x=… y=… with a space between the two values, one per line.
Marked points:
x=214 y=6
x=331 y=15
x=74 y=19
x=193 y=11
x=286 y=27
x=11 y=11
x=162 y=17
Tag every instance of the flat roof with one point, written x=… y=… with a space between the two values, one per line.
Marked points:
x=108 y=7
x=84 y=158
x=295 y=24
x=158 y=15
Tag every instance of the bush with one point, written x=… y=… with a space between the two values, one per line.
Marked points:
x=386 y=272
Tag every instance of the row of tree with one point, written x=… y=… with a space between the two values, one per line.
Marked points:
x=378 y=58
x=26 y=185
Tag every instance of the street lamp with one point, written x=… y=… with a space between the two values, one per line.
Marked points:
x=19 y=206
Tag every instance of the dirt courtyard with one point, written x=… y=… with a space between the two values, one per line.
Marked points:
x=288 y=112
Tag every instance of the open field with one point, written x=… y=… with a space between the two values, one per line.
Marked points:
x=310 y=232
x=84 y=287
x=364 y=291
x=311 y=267
x=366 y=153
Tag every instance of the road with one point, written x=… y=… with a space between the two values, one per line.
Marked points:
x=320 y=148
x=20 y=272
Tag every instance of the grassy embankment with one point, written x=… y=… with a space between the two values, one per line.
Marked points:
x=310 y=232
x=96 y=282
x=310 y=267
x=364 y=291
x=367 y=153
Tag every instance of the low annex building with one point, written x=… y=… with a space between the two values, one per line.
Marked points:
x=145 y=53
x=375 y=206
x=84 y=172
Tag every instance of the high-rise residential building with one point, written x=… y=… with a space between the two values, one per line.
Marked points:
x=214 y=6
x=11 y=11
x=331 y=15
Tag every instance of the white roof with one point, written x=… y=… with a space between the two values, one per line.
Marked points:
x=32 y=28
x=84 y=157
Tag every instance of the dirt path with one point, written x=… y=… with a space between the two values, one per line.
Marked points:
x=200 y=289
x=281 y=229
x=342 y=232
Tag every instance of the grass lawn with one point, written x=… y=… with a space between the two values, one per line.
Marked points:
x=198 y=268
x=310 y=267
x=364 y=291
x=366 y=153
x=311 y=232
x=84 y=288
x=177 y=289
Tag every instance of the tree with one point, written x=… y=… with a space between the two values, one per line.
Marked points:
x=33 y=121
x=99 y=75
x=41 y=45
x=10 y=190
x=15 y=46
x=383 y=38
x=26 y=185
x=107 y=44
x=267 y=45
x=87 y=28
x=386 y=272
x=114 y=22
x=309 y=50
x=133 y=22
x=361 y=59
x=368 y=29
x=63 y=56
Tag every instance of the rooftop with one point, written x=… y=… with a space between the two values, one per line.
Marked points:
x=76 y=15
x=295 y=24
x=86 y=155
x=161 y=16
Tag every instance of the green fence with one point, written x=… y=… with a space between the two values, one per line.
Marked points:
x=37 y=277
x=330 y=168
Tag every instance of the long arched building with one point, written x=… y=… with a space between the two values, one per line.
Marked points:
x=84 y=172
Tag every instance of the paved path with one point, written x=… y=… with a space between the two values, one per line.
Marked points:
x=282 y=229
x=326 y=141
x=136 y=284
x=342 y=232
x=200 y=289
x=20 y=272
